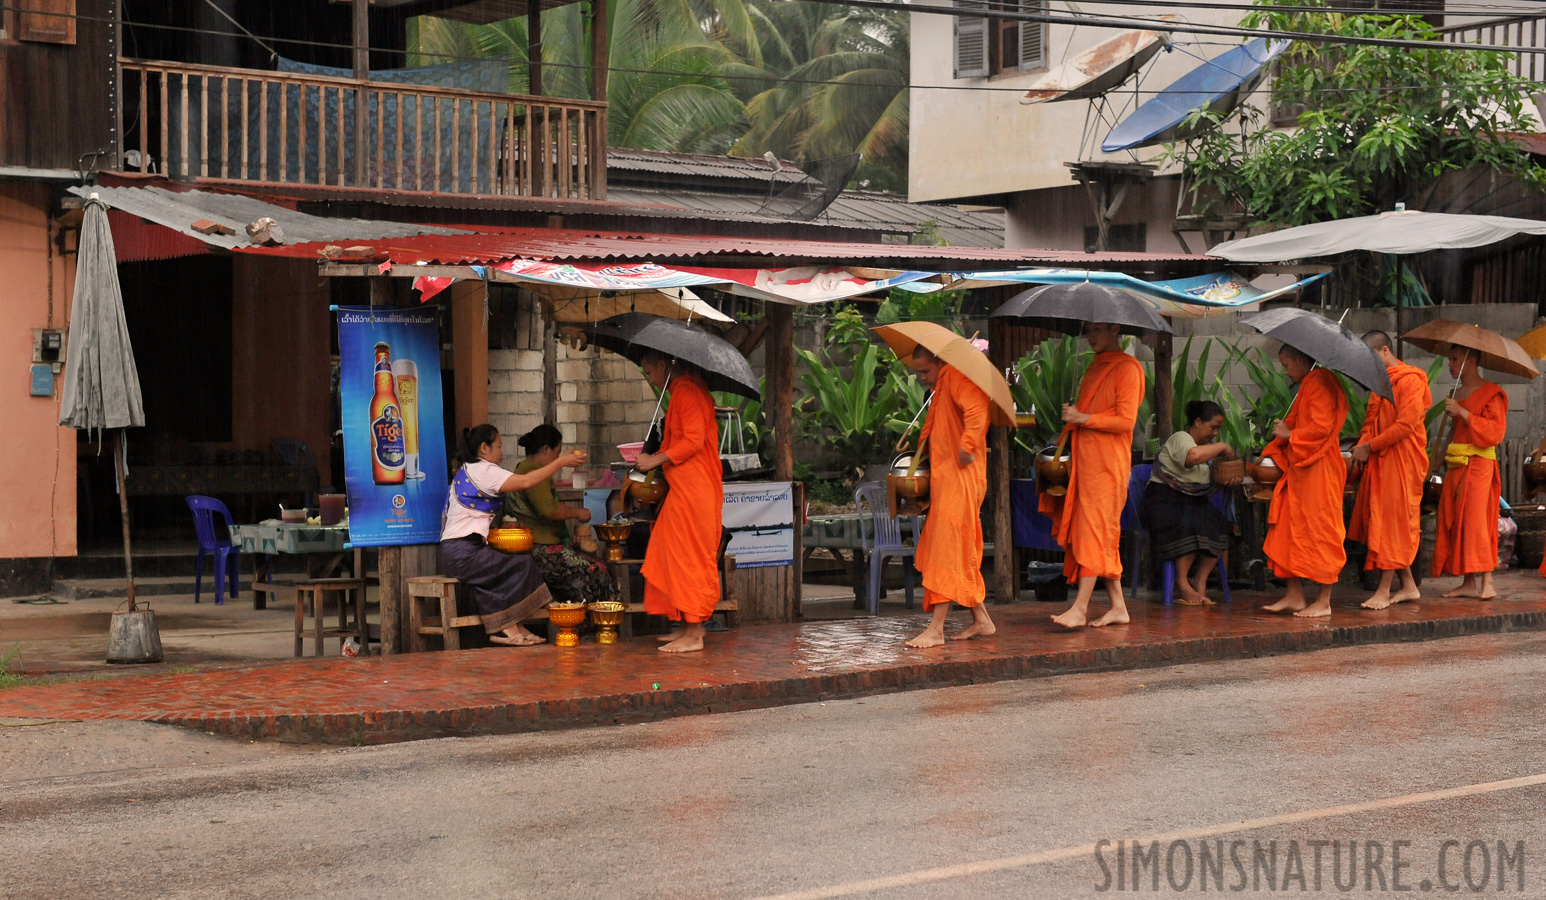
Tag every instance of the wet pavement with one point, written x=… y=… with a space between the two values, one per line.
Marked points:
x=502 y=690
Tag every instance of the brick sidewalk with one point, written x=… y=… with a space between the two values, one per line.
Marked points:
x=502 y=690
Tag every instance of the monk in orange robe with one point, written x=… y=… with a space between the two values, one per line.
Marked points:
x=1393 y=448
x=1305 y=531
x=681 y=577
x=1467 y=540
x=1087 y=520
x=949 y=550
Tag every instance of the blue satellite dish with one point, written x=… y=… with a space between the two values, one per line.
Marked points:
x=1218 y=84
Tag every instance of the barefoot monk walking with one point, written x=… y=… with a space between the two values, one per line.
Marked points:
x=1466 y=542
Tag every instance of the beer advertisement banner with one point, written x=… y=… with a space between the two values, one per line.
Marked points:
x=394 y=444
x=760 y=516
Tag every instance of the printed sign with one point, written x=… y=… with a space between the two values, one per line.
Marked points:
x=760 y=517
x=394 y=452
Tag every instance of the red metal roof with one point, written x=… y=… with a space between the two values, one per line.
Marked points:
x=489 y=246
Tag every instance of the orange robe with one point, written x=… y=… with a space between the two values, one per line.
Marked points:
x=1387 y=516
x=950 y=548
x=1467 y=538
x=681 y=577
x=1087 y=521
x=1305 y=531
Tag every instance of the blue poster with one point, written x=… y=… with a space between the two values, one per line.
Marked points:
x=394 y=445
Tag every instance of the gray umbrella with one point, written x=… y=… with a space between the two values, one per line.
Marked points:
x=1066 y=307
x=1328 y=343
x=720 y=364
x=101 y=386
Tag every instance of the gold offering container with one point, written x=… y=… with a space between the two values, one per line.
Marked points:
x=615 y=536
x=567 y=616
x=606 y=615
x=511 y=540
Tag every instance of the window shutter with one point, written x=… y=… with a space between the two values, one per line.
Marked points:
x=49 y=21
x=1033 y=37
x=971 y=42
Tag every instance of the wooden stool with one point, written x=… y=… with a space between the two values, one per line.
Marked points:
x=432 y=611
x=350 y=591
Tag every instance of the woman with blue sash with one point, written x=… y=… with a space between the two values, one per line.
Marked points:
x=497 y=582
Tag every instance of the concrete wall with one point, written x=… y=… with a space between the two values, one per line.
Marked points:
x=37 y=480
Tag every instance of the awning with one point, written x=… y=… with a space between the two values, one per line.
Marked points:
x=1189 y=298
x=1401 y=232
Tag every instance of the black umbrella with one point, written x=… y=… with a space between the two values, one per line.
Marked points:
x=1329 y=343
x=1066 y=307
x=720 y=364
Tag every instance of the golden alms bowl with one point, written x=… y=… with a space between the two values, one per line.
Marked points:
x=567 y=616
x=606 y=615
x=614 y=533
x=511 y=540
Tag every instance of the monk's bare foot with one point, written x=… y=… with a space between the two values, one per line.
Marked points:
x=976 y=629
x=1285 y=605
x=1461 y=592
x=1112 y=617
x=1487 y=595
x=669 y=637
x=1380 y=600
x=931 y=637
x=685 y=644
x=1411 y=593
x=1071 y=619
x=1316 y=610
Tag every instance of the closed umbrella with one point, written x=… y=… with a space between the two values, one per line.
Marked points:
x=101 y=386
x=1067 y=307
x=1494 y=351
x=1329 y=343
x=951 y=348
x=721 y=365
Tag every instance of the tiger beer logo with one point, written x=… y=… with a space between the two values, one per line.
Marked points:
x=388 y=433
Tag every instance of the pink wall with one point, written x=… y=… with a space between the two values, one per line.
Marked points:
x=37 y=476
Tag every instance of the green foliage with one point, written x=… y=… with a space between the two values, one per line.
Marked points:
x=10 y=679
x=910 y=394
x=754 y=427
x=1373 y=125
x=1274 y=393
x=848 y=326
x=902 y=305
x=849 y=412
x=1049 y=377
x=1357 y=406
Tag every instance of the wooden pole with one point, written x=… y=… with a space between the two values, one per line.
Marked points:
x=469 y=352
x=534 y=47
x=779 y=402
x=120 y=462
x=1005 y=564
x=549 y=364
x=601 y=59
x=1164 y=385
x=361 y=40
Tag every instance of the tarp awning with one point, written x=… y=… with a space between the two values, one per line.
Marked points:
x=1190 y=298
x=1400 y=232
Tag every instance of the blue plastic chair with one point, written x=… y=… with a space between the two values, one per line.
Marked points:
x=1136 y=480
x=226 y=556
x=884 y=540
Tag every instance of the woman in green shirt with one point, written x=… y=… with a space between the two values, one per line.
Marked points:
x=1176 y=511
x=572 y=576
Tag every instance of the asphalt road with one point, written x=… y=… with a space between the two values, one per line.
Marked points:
x=1246 y=769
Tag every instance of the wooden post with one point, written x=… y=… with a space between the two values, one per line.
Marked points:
x=361 y=42
x=600 y=61
x=1164 y=386
x=121 y=471
x=469 y=352
x=534 y=48
x=550 y=365
x=1005 y=574
x=779 y=402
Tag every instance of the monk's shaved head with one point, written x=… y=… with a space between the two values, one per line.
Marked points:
x=922 y=354
x=1295 y=353
x=1377 y=340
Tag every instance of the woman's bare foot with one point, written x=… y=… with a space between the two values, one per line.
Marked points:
x=976 y=629
x=1112 y=617
x=930 y=637
x=1071 y=619
x=1287 y=604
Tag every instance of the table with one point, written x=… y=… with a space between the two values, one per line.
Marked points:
x=266 y=541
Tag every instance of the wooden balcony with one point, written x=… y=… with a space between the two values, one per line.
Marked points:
x=273 y=128
x=1510 y=31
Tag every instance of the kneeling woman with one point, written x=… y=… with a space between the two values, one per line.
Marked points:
x=572 y=576
x=1175 y=509
x=504 y=586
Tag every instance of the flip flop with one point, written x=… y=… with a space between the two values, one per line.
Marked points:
x=520 y=641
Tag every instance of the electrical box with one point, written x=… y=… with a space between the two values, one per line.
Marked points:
x=42 y=380
x=48 y=346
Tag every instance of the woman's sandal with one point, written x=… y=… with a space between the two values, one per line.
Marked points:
x=524 y=640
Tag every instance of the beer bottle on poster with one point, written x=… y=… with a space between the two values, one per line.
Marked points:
x=387 y=451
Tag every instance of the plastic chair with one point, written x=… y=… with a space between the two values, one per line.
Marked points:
x=1168 y=567
x=885 y=541
x=226 y=556
x=1136 y=480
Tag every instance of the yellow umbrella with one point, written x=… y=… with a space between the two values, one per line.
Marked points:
x=957 y=351
x=1534 y=342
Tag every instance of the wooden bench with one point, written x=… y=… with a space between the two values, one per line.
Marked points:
x=432 y=605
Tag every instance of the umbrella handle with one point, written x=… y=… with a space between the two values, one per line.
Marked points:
x=1434 y=456
x=901 y=441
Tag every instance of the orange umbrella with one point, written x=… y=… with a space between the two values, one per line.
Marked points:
x=1496 y=351
x=1533 y=342
x=951 y=348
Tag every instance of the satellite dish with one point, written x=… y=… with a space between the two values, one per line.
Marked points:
x=1218 y=85
x=1097 y=70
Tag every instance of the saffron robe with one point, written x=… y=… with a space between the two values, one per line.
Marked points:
x=681 y=577
x=1467 y=537
x=949 y=550
x=1388 y=513
x=1087 y=521
x=1305 y=531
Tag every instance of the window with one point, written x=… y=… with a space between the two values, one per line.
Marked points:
x=988 y=46
x=46 y=21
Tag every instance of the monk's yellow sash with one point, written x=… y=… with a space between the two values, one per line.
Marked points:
x=1460 y=454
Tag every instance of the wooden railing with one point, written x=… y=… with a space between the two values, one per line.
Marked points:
x=242 y=125
x=1513 y=31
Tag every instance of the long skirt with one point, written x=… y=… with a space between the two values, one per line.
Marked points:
x=572 y=576
x=496 y=581
x=1180 y=524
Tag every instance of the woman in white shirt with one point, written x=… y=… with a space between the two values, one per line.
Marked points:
x=1175 y=508
x=497 y=581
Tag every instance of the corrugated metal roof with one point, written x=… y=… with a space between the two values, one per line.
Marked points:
x=698 y=164
x=178 y=210
x=490 y=246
